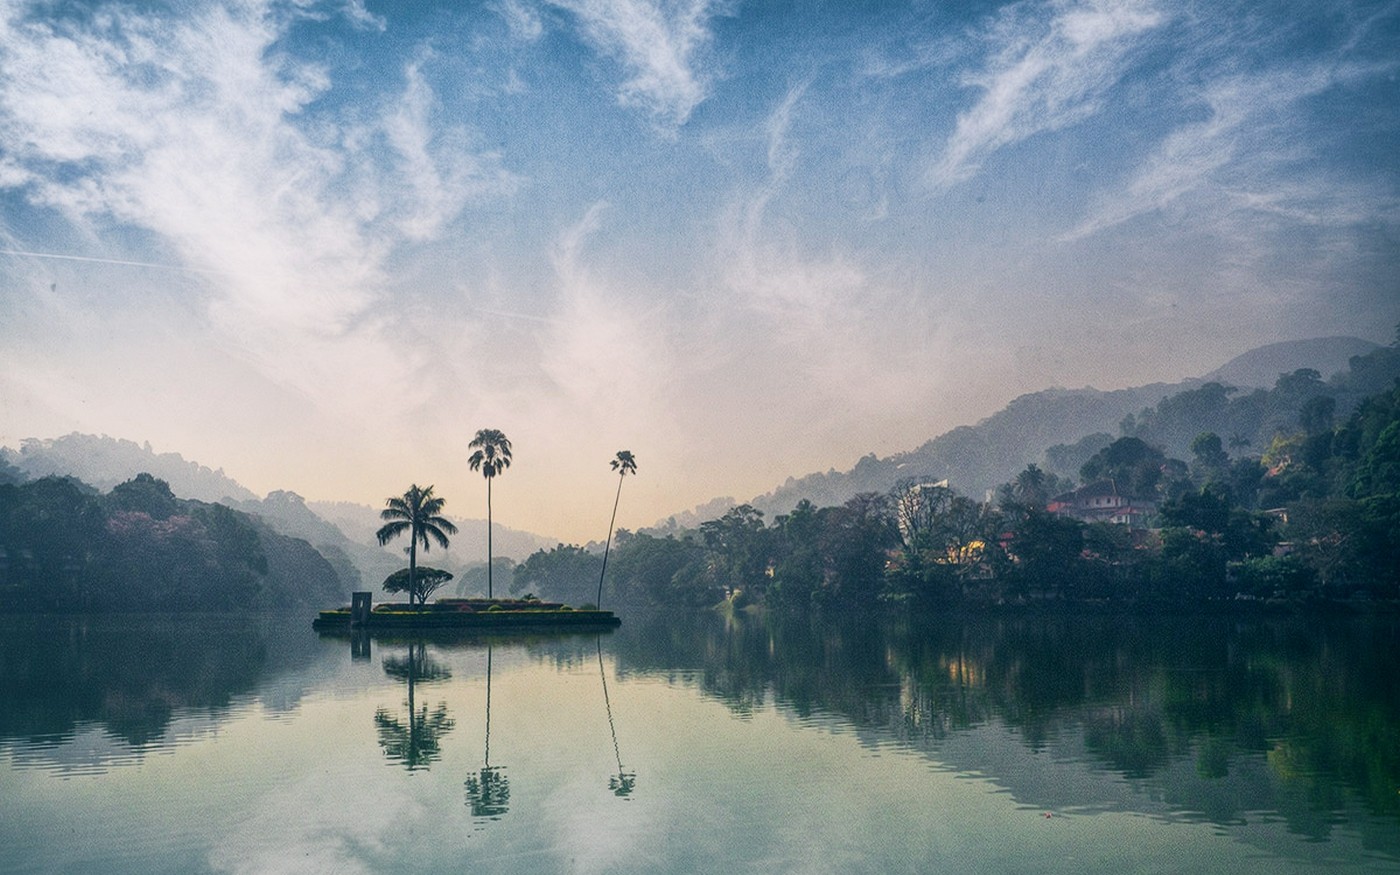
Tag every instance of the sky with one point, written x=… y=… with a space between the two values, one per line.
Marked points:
x=320 y=245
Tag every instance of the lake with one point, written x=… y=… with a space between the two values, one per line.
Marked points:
x=703 y=743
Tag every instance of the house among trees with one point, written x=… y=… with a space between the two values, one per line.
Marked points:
x=1101 y=501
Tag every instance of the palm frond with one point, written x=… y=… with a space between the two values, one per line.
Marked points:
x=412 y=512
x=436 y=533
x=492 y=452
x=391 y=531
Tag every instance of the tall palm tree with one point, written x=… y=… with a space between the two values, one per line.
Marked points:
x=624 y=463
x=491 y=457
x=419 y=513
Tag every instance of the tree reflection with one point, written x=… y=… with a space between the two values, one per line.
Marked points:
x=623 y=782
x=1266 y=713
x=414 y=741
x=132 y=675
x=488 y=791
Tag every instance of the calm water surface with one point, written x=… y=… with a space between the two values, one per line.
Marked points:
x=702 y=744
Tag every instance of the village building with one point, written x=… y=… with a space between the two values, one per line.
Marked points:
x=1101 y=501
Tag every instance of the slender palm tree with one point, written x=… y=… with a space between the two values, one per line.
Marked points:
x=491 y=457
x=624 y=463
x=419 y=513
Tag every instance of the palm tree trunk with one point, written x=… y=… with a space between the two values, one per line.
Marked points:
x=412 y=568
x=488 y=539
x=608 y=546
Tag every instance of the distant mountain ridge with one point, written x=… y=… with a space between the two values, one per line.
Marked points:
x=976 y=459
x=1260 y=367
x=342 y=531
x=103 y=462
x=360 y=521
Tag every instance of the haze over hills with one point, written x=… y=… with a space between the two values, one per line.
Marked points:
x=976 y=459
x=343 y=532
x=360 y=521
x=104 y=462
x=1260 y=367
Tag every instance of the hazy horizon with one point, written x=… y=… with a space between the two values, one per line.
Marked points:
x=320 y=245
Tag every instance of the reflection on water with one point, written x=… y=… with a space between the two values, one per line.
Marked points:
x=488 y=792
x=415 y=740
x=624 y=782
x=825 y=737
x=1315 y=703
x=86 y=693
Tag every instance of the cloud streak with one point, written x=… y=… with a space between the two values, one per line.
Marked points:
x=1042 y=76
x=661 y=45
x=201 y=131
x=1238 y=156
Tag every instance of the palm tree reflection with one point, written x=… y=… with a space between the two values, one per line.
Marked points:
x=623 y=782
x=488 y=792
x=414 y=741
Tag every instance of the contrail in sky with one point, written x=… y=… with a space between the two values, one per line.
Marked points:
x=91 y=259
x=509 y=315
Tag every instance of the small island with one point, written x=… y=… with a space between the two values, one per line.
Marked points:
x=418 y=514
x=459 y=613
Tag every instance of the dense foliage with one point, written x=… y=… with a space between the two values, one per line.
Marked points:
x=1312 y=516
x=1069 y=425
x=65 y=546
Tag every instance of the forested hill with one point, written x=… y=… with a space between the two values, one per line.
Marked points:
x=103 y=462
x=66 y=546
x=976 y=459
x=342 y=532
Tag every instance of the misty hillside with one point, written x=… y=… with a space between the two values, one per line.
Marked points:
x=139 y=547
x=1260 y=367
x=359 y=522
x=104 y=462
x=343 y=532
x=976 y=459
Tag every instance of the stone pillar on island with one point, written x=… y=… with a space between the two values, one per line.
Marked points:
x=360 y=607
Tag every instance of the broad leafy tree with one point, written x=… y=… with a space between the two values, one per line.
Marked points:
x=424 y=583
x=491 y=456
x=419 y=513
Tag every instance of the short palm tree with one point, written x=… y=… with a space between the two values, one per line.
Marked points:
x=491 y=457
x=624 y=463
x=419 y=513
x=1030 y=486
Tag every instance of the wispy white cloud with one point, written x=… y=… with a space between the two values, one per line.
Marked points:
x=197 y=132
x=1048 y=67
x=1246 y=154
x=823 y=309
x=661 y=43
x=436 y=162
x=596 y=343
x=356 y=13
x=522 y=18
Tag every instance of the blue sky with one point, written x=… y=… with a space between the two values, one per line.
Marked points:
x=320 y=244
